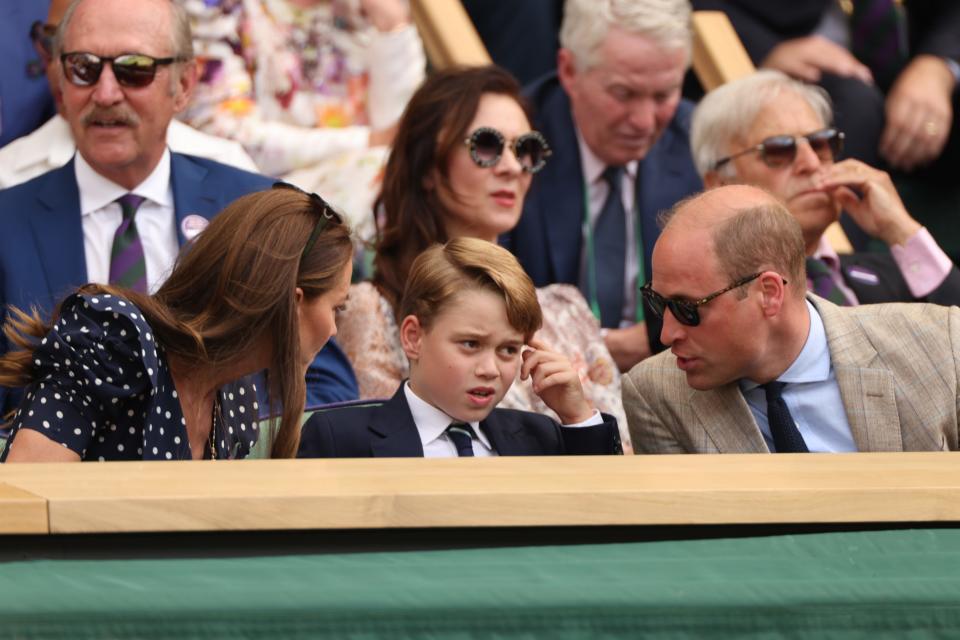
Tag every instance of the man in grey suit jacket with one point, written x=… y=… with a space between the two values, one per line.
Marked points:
x=761 y=365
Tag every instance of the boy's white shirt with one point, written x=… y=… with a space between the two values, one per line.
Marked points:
x=432 y=425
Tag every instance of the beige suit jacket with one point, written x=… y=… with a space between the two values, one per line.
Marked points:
x=896 y=364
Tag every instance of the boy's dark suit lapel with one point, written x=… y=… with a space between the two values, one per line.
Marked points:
x=393 y=434
x=508 y=437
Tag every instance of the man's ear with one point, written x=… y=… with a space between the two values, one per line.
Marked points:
x=411 y=336
x=773 y=292
x=185 y=85
x=566 y=68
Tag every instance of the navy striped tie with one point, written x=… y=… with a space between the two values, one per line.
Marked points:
x=462 y=435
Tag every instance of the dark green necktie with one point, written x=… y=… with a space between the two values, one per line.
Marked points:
x=128 y=267
x=878 y=38
x=820 y=281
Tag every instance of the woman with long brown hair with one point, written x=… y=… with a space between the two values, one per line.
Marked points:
x=118 y=375
x=461 y=165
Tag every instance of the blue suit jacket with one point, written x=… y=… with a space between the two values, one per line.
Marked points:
x=548 y=239
x=25 y=99
x=387 y=430
x=42 y=257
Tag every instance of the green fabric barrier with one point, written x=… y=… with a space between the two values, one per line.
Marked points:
x=901 y=584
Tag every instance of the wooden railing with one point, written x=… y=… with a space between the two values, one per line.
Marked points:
x=486 y=492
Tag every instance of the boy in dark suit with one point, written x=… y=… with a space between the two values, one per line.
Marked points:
x=466 y=314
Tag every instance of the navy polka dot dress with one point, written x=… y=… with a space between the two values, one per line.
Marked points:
x=103 y=389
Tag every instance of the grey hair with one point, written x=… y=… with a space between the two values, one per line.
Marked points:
x=727 y=113
x=182 y=39
x=586 y=23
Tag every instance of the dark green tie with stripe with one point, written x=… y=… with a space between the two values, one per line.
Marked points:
x=128 y=267
x=878 y=38
x=820 y=281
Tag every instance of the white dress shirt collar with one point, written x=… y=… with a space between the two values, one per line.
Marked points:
x=431 y=422
x=593 y=167
x=96 y=191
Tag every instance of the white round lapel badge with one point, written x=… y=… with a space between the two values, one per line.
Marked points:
x=192 y=225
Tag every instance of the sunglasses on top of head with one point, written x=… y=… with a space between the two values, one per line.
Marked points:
x=130 y=69
x=487 y=144
x=687 y=312
x=780 y=151
x=325 y=214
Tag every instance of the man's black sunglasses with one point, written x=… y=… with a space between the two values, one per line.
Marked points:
x=688 y=311
x=781 y=151
x=131 y=69
x=487 y=144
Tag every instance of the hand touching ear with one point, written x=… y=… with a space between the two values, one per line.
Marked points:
x=556 y=382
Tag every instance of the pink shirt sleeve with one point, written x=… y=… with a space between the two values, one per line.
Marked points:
x=922 y=262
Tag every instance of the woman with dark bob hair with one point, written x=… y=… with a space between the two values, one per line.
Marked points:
x=118 y=375
x=461 y=166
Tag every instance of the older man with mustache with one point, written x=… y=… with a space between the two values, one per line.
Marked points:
x=774 y=132
x=51 y=145
x=120 y=210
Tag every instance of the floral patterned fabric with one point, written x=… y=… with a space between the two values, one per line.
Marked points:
x=301 y=89
x=368 y=333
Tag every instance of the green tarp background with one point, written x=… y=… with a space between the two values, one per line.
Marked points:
x=899 y=584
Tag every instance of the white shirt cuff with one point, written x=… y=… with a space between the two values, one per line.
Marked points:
x=592 y=421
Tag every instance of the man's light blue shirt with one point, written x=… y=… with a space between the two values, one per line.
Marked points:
x=812 y=396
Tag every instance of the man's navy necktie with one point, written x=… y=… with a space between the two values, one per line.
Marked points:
x=610 y=250
x=462 y=435
x=786 y=436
